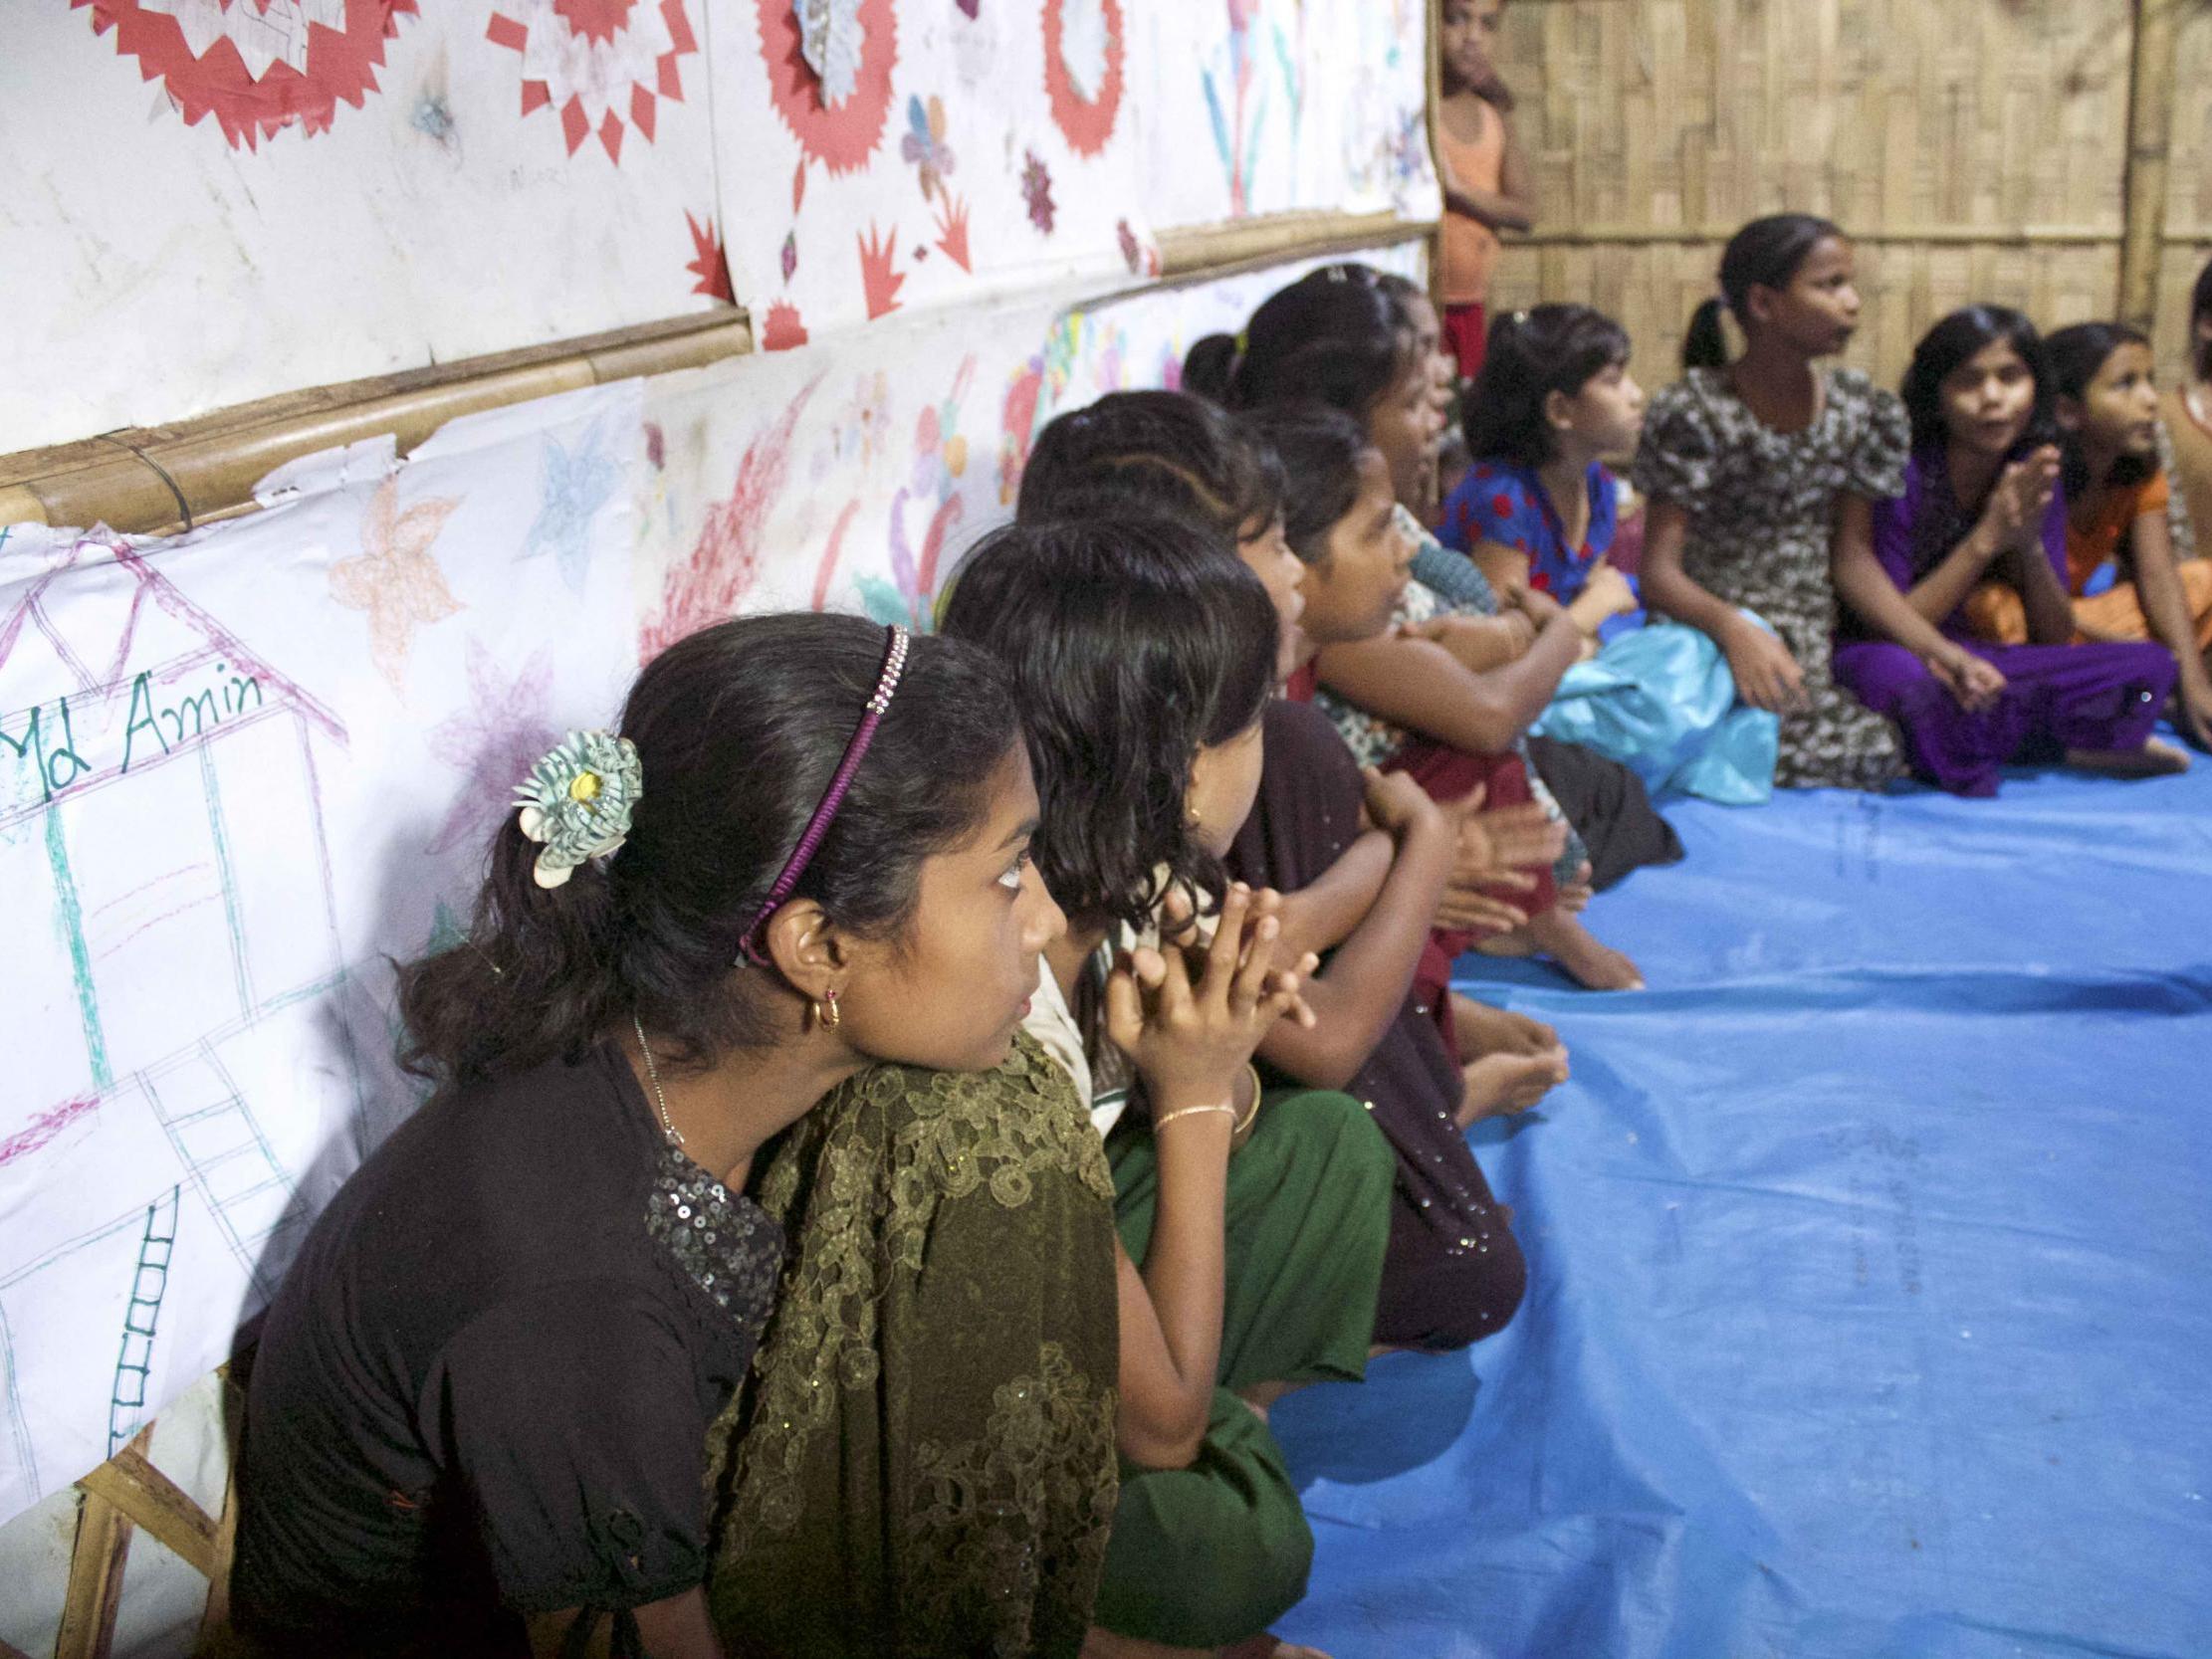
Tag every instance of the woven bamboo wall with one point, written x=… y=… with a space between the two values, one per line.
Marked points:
x=1974 y=149
x=2188 y=186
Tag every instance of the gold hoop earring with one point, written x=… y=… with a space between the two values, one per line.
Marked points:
x=828 y=1017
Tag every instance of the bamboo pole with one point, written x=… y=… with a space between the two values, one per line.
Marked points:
x=2149 y=137
x=1962 y=236
x=157 y=1505
x=164 y=478
x=159 y=479
x=94 y=1592
x=1209 y=251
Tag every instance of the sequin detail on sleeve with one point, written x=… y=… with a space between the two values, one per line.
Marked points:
x=719 y=1239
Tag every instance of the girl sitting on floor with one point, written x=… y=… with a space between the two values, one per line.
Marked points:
x=2187 y=413
x=2122 y=575
x=1367 y=898
x=478 y=1415
x=1470 y=683
x=1143 y=660
x=1762 y=475
x=1982 y=508
x=1539 y=509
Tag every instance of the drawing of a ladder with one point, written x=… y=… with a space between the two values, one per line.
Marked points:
x=149 y=1282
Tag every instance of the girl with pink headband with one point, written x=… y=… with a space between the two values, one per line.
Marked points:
x=792 y=889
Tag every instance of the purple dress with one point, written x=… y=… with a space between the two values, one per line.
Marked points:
x=2056 y=696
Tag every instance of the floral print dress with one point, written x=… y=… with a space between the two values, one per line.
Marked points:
x=1762 y=509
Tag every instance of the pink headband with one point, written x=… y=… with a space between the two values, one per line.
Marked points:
x=894 y=662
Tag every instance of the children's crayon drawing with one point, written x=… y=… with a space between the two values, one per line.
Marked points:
x=244 y=770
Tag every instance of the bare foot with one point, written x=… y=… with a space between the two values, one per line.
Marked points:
x=1481 y=1029
x=1499 y=1085
x=1575 y=896
x=1593 y=966
x=2156 y=758
x=1262 y=1396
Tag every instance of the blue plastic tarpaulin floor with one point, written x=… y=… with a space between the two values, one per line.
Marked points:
x=1870 y=1258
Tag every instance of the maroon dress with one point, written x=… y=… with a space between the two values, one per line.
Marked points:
x=1453 y=1273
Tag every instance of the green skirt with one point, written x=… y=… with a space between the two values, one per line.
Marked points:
x=922 y=1461
x=1211 y=1554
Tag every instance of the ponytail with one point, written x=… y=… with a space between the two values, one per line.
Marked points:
x=539 y=974
x=1334 y=336
x=1705 y=345
x=1210 y=370
x=739 y=731
x=1766 y=253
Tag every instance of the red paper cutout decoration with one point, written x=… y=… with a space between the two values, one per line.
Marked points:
x=604 y=63
x=710 y=264
x=266 y=67
x=1085 y=122
x=879 y=282
x=842 y=135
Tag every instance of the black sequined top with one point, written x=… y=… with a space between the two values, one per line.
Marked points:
x=485 y=1385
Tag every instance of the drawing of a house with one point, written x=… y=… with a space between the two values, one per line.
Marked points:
x=172 y=923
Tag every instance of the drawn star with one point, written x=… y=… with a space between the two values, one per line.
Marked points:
x=394 y=580
x=577 y=483
x=497 y=736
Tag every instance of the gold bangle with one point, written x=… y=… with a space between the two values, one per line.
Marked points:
x=1159 y=1123
x=1250 y=1117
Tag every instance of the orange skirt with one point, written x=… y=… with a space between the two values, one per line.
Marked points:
x=1994 y=611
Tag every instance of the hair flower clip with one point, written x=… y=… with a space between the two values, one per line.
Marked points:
x=577 y=801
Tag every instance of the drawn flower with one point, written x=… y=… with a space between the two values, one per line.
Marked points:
x=925 y=147
x=577 y=483
x=969 y=8
x=1036 y=191
x=393 y=578
x=578 y=803
x=497 y=729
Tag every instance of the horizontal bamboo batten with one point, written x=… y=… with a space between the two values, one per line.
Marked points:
x=1205 y=252
x=156 y=479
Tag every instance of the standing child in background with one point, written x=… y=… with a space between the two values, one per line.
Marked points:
x=1538 y=509
x=1484 y=176
x=2188 y=411
x=2121 y=570
x=1762 y=476
x=1981 y=509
